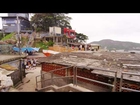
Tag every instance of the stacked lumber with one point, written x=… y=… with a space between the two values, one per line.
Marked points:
x=63 y=49
x=8 y=67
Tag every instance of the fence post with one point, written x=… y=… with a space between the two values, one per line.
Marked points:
x=20 y=68
x=73 y=75
x=76 y=76
x=120 y=90
x=52 y=78
x=115 y=80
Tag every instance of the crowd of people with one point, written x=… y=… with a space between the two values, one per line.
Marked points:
x=30 y=63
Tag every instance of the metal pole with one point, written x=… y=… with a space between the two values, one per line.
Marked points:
x=18 y=32
x=21 y=69
x=73 y=75
x=76 y=76
x=36 y=83
x=42 y=80
x=67 y=75
x=121 y=82
x=115 y=80
x=52 y=78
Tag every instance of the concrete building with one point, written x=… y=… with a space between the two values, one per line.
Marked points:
x=9 y=23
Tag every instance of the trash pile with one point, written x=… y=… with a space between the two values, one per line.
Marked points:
x=5 y=82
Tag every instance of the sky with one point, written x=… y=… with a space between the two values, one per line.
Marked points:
x=99 y=26
x=115 y=26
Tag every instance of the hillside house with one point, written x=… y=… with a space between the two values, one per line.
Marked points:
x=94 y=47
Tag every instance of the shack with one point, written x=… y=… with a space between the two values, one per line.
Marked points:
x=99 y=66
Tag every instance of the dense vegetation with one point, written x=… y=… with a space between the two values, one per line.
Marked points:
x=43 y=45
x=8 y=36
x=42 y=22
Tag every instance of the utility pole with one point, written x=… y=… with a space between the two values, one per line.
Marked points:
x=19 y=39
x=18 y=33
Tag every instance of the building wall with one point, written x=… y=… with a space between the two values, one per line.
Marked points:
x=0 y=23
x=25 y=24
x=10 y=24
x=25 y=15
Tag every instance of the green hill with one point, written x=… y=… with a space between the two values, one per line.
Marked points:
x=118 y=45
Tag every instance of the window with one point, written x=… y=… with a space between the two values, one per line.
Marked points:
x=10 y=21
x=12 y=24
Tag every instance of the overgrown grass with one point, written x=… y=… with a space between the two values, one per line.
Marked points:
x=43 y=45
x=8 y=36
x=24 y=41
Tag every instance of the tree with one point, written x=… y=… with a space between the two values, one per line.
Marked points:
x=42 y=21
x=81 y=37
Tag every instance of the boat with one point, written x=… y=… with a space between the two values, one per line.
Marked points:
x=46 y=53
x=49 y=52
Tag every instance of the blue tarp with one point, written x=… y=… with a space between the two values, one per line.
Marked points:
x=16 y=49
x=36 y=49
x=23 y=49
x=29 y=49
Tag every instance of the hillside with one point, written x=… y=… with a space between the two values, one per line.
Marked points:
x=26 y=40
x=118 y=45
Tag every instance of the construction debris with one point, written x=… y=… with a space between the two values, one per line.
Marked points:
x=5 y=82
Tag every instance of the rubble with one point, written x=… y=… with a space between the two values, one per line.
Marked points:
x=5 y=82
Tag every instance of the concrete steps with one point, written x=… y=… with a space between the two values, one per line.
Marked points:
x=65 y=88
x=50 y=91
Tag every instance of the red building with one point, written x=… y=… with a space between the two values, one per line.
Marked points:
x=69 y=33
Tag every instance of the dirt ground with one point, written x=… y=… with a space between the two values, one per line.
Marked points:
x=29 y=82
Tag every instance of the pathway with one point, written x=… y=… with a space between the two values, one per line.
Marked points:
x=29 y=82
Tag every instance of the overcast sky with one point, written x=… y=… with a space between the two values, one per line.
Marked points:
x=116 y=26
x=98 y=26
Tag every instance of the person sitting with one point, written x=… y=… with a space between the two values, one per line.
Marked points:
x=34 y=63
x=28 y=65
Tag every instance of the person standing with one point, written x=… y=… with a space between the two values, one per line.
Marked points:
x=85 y=47
x=81 y=47
x=31 y=60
